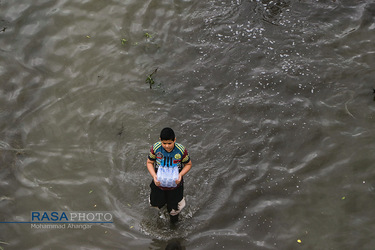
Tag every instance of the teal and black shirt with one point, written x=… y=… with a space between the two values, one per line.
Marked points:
x=176 y=158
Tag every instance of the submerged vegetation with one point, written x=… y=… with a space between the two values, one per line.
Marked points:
x=149 y=78
x=148 y=44
x=148 y=36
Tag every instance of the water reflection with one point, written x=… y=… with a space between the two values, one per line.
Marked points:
x=368 y=16
x=173 y=244
x=272 y=10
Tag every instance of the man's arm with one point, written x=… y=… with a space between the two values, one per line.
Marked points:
x=151 y=170
x=186 y=168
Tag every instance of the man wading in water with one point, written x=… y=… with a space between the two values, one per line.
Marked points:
x=166 y=159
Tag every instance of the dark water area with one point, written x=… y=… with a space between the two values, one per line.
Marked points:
x=273 y=100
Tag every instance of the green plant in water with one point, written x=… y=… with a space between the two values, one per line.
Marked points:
x=123 y=41
x=150 y=80
x=147 y=35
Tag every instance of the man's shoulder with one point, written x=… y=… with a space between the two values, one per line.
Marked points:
x=156 y=146
x=180 y=147
x=183 y=153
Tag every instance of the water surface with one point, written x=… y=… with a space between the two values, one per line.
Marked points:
x=273 y=100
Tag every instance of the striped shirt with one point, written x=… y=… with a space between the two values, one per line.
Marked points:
x=178 y=156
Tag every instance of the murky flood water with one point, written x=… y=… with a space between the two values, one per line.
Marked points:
x=273 y=100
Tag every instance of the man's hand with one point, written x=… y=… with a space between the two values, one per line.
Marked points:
x=157 y=183
x=179 y=179
x=185 y=169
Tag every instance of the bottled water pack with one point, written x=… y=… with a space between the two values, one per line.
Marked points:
x=167 y=176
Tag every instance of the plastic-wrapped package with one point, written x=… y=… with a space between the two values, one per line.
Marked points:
x=167 y=176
